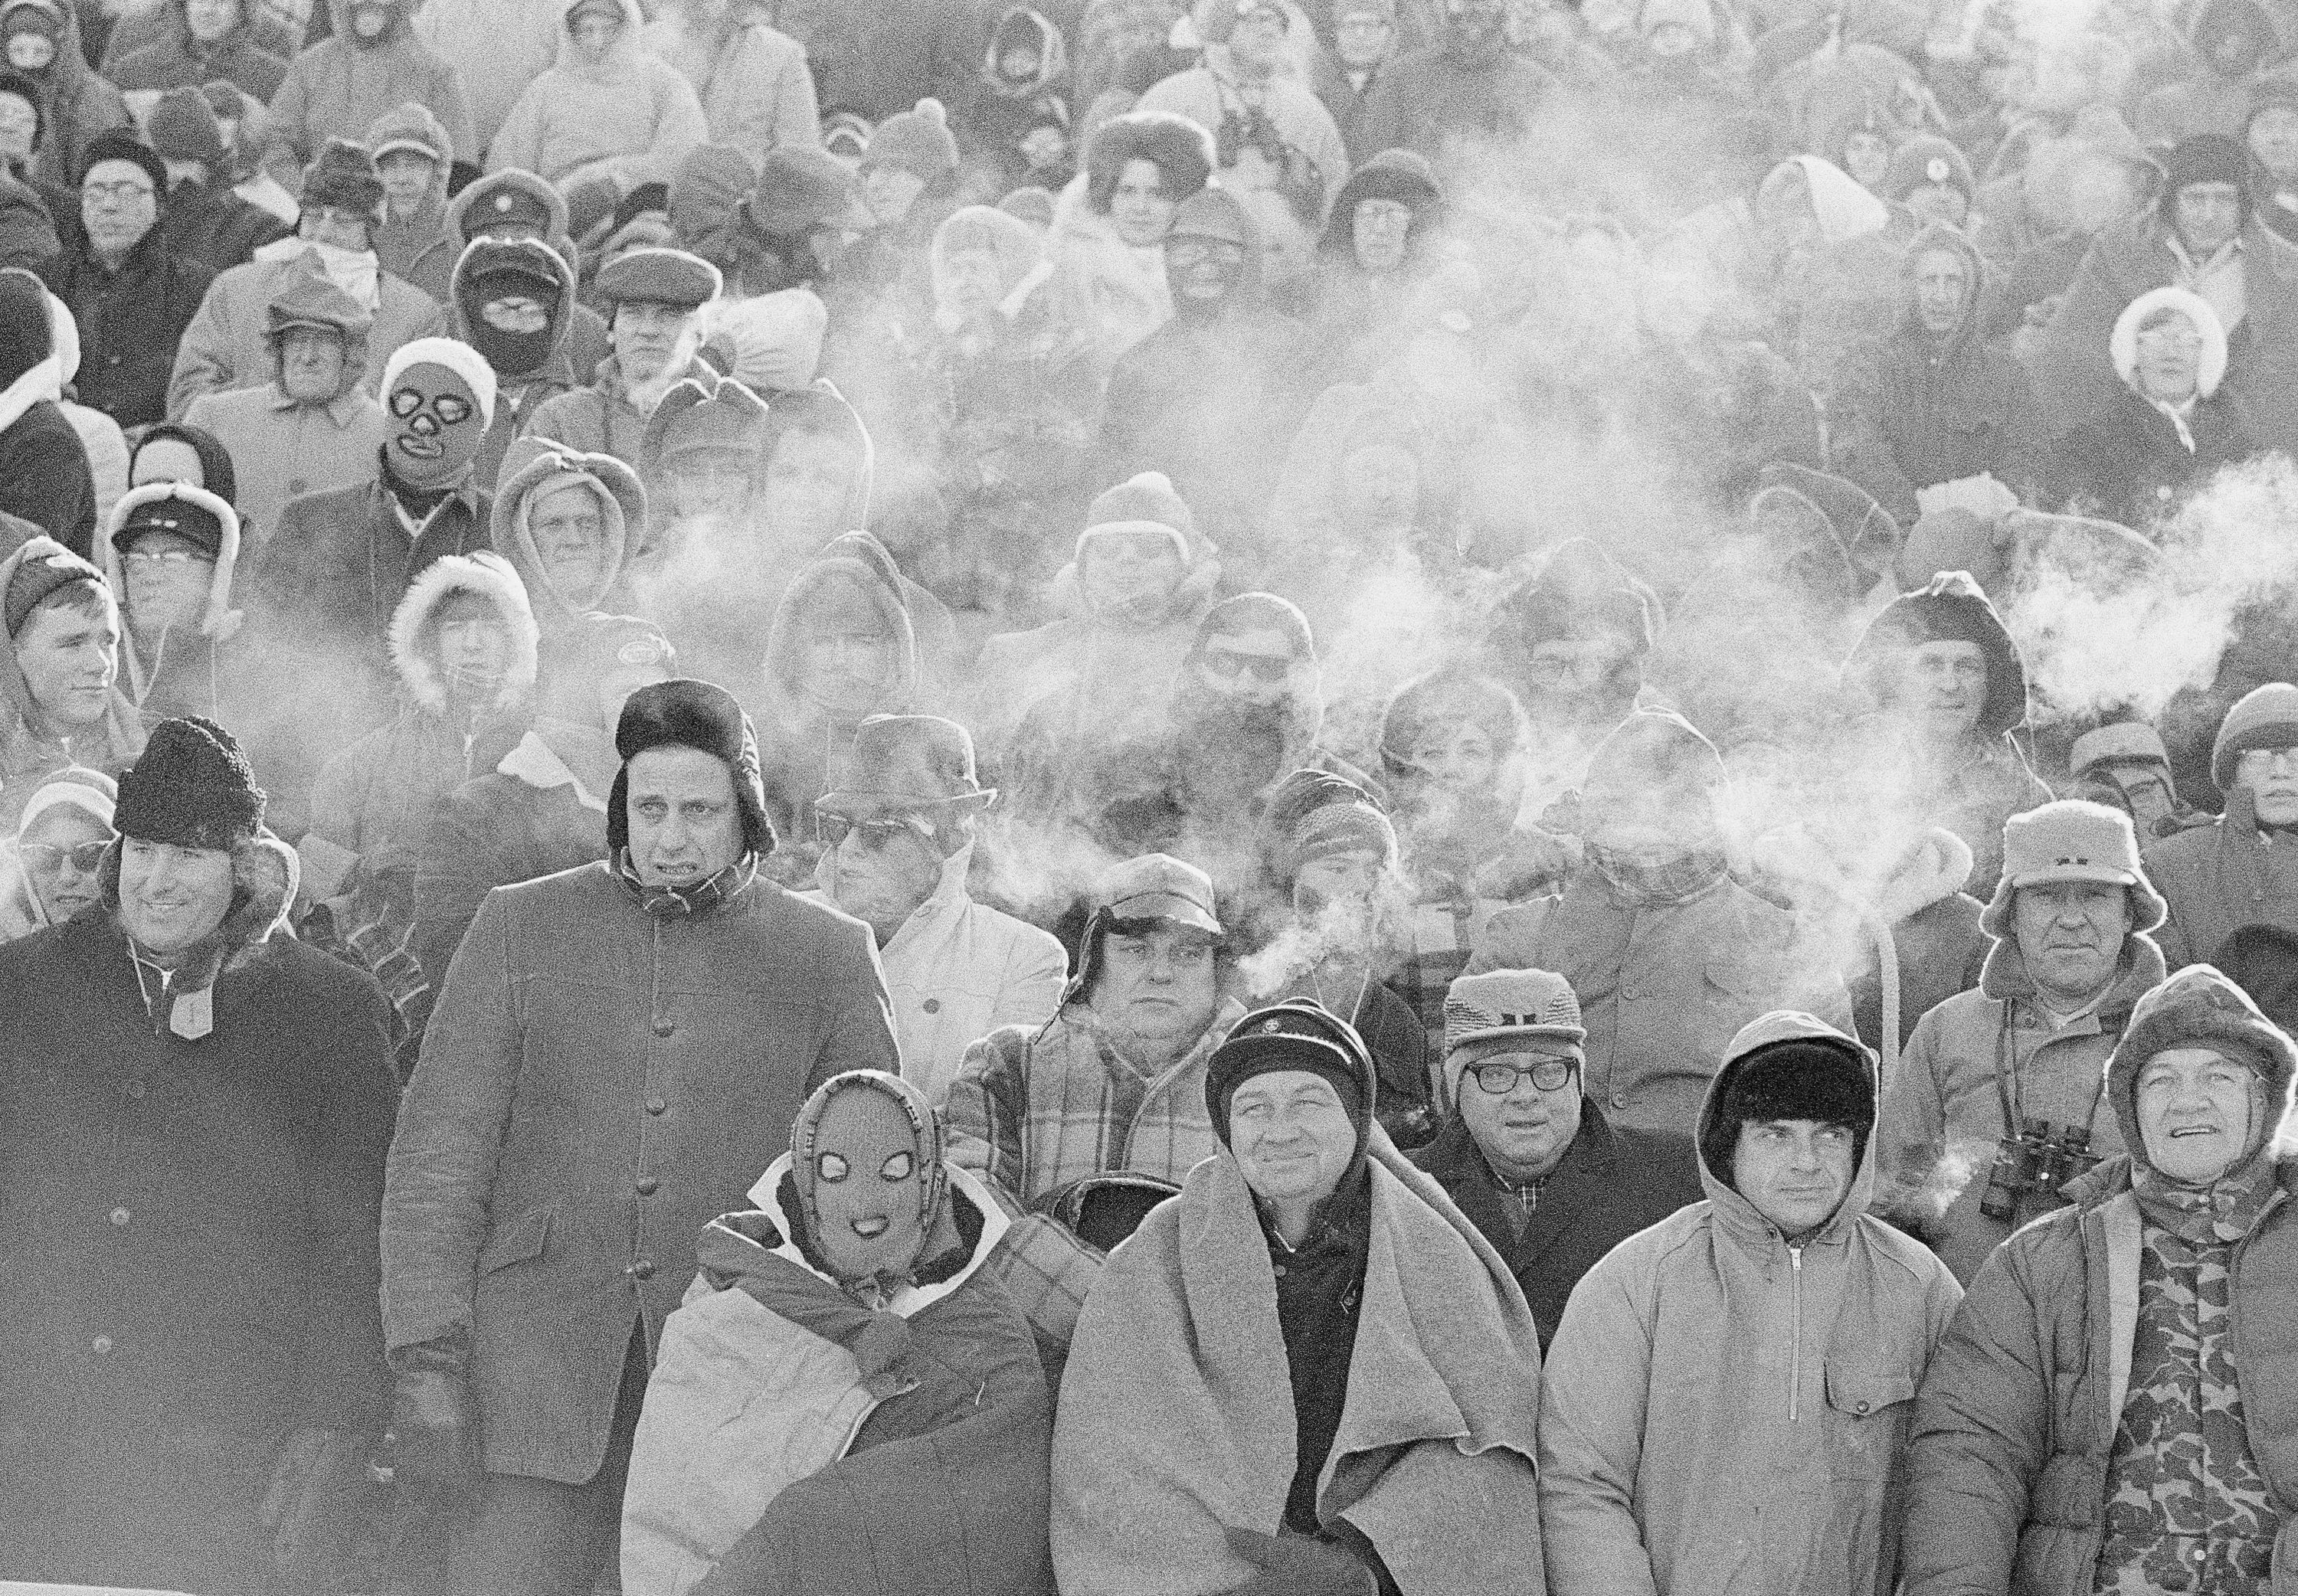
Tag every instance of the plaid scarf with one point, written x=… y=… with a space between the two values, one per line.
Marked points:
x=697 y=899
x=1639 y=879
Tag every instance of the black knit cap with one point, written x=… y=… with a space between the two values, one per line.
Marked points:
x=191 y=788
x=1802 y=1079
x=1294 y=1035
x=690 y=714
x=2205 y=158
x=116 y=145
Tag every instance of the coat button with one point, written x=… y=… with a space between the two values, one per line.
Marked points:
x=101 y=1345
x=119 y=1216
x=656 y=1105
x=298 y=486
x=1619 y=1100
x=642 y=1270
x=135 y=1089
x=663 y=1028
x=649 y=1186
x=1628 y=994
x=1860 y=1408
x=933 y=1006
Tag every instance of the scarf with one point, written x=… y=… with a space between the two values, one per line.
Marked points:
x=2221 y=1212
x=357 y=272
x=690 y=901
x=1639 y=878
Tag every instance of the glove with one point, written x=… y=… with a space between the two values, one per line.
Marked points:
x=1299 y=1566
x=435 y=1420
x=320 y=1502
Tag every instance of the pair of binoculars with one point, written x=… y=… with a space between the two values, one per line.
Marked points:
x=2036 y=1162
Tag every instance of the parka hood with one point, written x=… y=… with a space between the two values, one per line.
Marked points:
x=531 y=256
x=1938 y=235
x=1950 y=607
x=339 y=21
x=1843 y=210
x=1401 y=174
x=62 y=77
x=511 y=529
x=1022 y=26
x=2200 y=1007
x=491 y=577
x=623 y=56
x=216 y=471
x=1857 y=1085
x=821 y=408
x=2138 y=969
x=856 y=558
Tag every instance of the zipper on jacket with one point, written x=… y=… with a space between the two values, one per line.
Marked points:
x=1794 y=1336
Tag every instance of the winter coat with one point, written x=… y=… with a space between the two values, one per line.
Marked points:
x=210 y=226
x=1210 y=95
x=224 y=346
x=958 y=970
x=80 y=105
x=1035 y=1111
x=1663 y=988
x=2014 y=1431
x=1106 y=292
x=531 y=815
x=417 y=250
x=1938 y=411
x=1176 y=1428
x=1721 y=1411
x=597 y=1083
x=952 y=1420
x=1439 y=100
x=1610 y=1185
x=195 y=670
x=755 y=92
x=2131 y=466
x=338 y=89
x=2221 y=877
x=129 y=322
x=2070 y=361
x=110 y=746
x=44 y=471
x=190 y=1228
x=282 y=451
x=600 y=418
x=876 y=60
x=1942 y=1115
x=517 y=39
x=171 y=60
x=631 y=119
x=521 y=395
x=27 y=230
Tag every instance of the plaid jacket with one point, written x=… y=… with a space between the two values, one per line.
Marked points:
x=1035 y=1110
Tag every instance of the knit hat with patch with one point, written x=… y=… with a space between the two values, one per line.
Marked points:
x=1297 y=1034
x=191 y=787
x=2264 y=718
x=1502 y=1004
x=686 y=713
x=918 y=141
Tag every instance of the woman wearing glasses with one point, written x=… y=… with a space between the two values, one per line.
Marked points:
x=2169 y=428
x=48 y=874
x=1526 y=1156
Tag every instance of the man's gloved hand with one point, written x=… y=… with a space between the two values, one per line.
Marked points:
x=321 y=1502
x=1299 y=1566
x=434 y=1419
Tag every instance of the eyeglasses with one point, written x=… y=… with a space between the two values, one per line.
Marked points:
x=169 y=557
x=835 y=828
x=1188 y=250
x=1260 y=667
x=126 y=192
x=2268 y=759
x=1550 y=1075
x=45 y=859
x=2172 y=338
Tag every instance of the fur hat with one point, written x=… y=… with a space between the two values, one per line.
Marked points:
x=918 y=140
x=1449 y=696
x=2205 y=158
x=2200 y=1007
x=2264 y=718
x=1788 y=1066
x=343 y=176
x=2072 y=840
x=800 y=188
x=1295 y=1035
x=2122 y=343
x=686 y=713
x=191 y=787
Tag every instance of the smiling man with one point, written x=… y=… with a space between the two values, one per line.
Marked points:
x=2022 y=1051
x=619 y=1049
x=2131 y=1349
x=1528 y=1158
x=59 y=705
x=1725 y=1405
x=2243 y=870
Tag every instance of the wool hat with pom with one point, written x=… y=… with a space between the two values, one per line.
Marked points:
x=690 y=714
x=191 y=787
x=918 y=141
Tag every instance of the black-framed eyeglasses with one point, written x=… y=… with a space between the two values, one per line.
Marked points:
x=1550 y=1075
x=45 y=859
x=874 y=834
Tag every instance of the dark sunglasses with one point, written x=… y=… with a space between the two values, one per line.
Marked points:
x=1550 y=1075
x=44 y=858
x=1260 y=667
x=834 y=829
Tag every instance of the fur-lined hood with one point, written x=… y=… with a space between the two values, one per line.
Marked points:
x=1936 y=866
x=855 y=556
x=219 y=622
x=494 y=579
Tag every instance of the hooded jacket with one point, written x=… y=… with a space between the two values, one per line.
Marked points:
x=339 y=86
x=630 y=119
x=2223 y=876
x=517 y=39
x=2011 y=1459
x=519 y=394
x=173 y=59
x=183 y=676
x=230 y=1298
x=417 y=248
x=1940 y=409
x=110 y=746
x=1726 y=1410
x=620 y=499
x=80 y=105
x=936 y=1400
x=755 y=92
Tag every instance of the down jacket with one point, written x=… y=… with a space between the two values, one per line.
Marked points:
x=1723 y=1412
x=937 y=1402
x=631 y=120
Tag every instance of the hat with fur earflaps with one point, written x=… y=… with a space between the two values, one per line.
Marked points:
x=691 y=714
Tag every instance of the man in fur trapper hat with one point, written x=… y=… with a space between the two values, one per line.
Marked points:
x=618 y=1050
x=216 y=1102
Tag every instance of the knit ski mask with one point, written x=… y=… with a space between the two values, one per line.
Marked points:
x=436 y=424
x=513 y=320
x=866 y=1155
